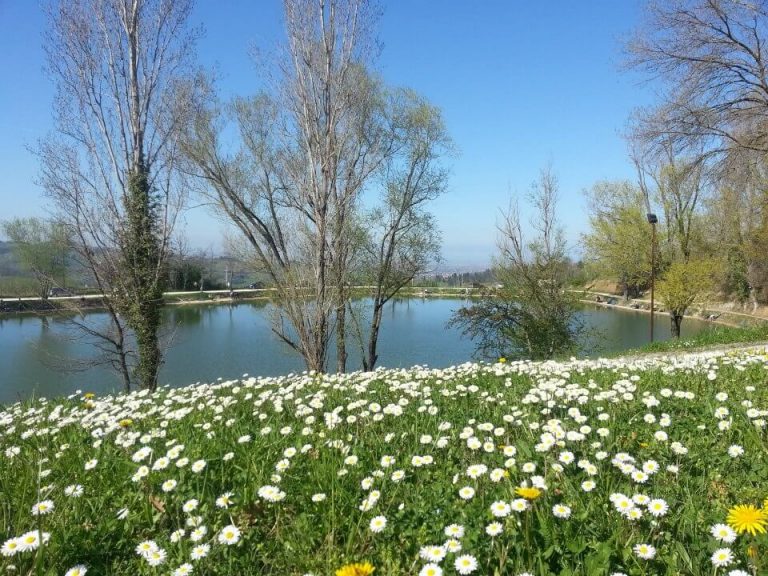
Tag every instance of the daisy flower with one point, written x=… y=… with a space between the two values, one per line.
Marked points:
x=229 y=535
x=432 y=553
x=465 y=564
x=200 y=551
x=42 y=508
x=722 y=557
x=78 y=570
x=657 y=507
x=645 y=551
x=378 y=523
x=431 y=570
x=467 y=493
x=724 y=533
x=561 y=511
x=183 y=570
x=454 y=531
x=494 y=529
x=10 y=547
x=146 y=547
x=73 y=491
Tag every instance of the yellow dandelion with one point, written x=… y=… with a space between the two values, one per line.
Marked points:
x=89 y=395
x=125 y=422
x=502 y=360
x=528 y=493
x=747 y=518
x=356 y=569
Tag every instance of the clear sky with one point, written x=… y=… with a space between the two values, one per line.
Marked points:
x=520 y=83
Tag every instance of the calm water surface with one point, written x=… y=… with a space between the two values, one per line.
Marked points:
x=227 y=341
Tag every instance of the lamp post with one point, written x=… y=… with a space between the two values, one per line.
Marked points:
x=652 y=220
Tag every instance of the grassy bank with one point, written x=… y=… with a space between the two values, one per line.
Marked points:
x=587 y=467
x=713 y=336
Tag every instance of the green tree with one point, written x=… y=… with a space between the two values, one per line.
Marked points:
x=42 y=247
x=532 y=315
x=683 y=285
x=619 y=242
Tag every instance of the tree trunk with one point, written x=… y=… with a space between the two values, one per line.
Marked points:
x=143 y=305
x=369 y=359
x=676 y=320
x=341 y=337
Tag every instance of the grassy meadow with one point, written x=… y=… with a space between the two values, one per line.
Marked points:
x=585 y=467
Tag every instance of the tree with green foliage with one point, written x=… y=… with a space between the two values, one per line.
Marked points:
x=619 y=242
x=42 y=247
x=533 y=315
x=683 y=285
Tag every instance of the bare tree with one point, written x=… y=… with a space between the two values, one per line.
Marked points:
x=401 y=238
x=308 y=148
x=712 y=55
x=676 y=183
x=121 y=69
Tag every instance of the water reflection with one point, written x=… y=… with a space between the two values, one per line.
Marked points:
x=212 y=341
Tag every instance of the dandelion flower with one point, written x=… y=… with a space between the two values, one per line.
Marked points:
x=357 y=569
x=528 y=493
x=747 y=518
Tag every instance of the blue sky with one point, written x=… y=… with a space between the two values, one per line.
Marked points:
x=521 y=84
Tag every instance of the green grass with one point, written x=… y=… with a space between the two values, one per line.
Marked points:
x=18 y=286
x=351 y=437
x=712 y=336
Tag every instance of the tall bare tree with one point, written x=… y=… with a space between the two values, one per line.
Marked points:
x=121 y=69
x=309 y=146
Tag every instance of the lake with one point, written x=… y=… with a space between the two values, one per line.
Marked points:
x=227 y=341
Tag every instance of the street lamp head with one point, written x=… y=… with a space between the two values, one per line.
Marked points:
x=652 y=219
